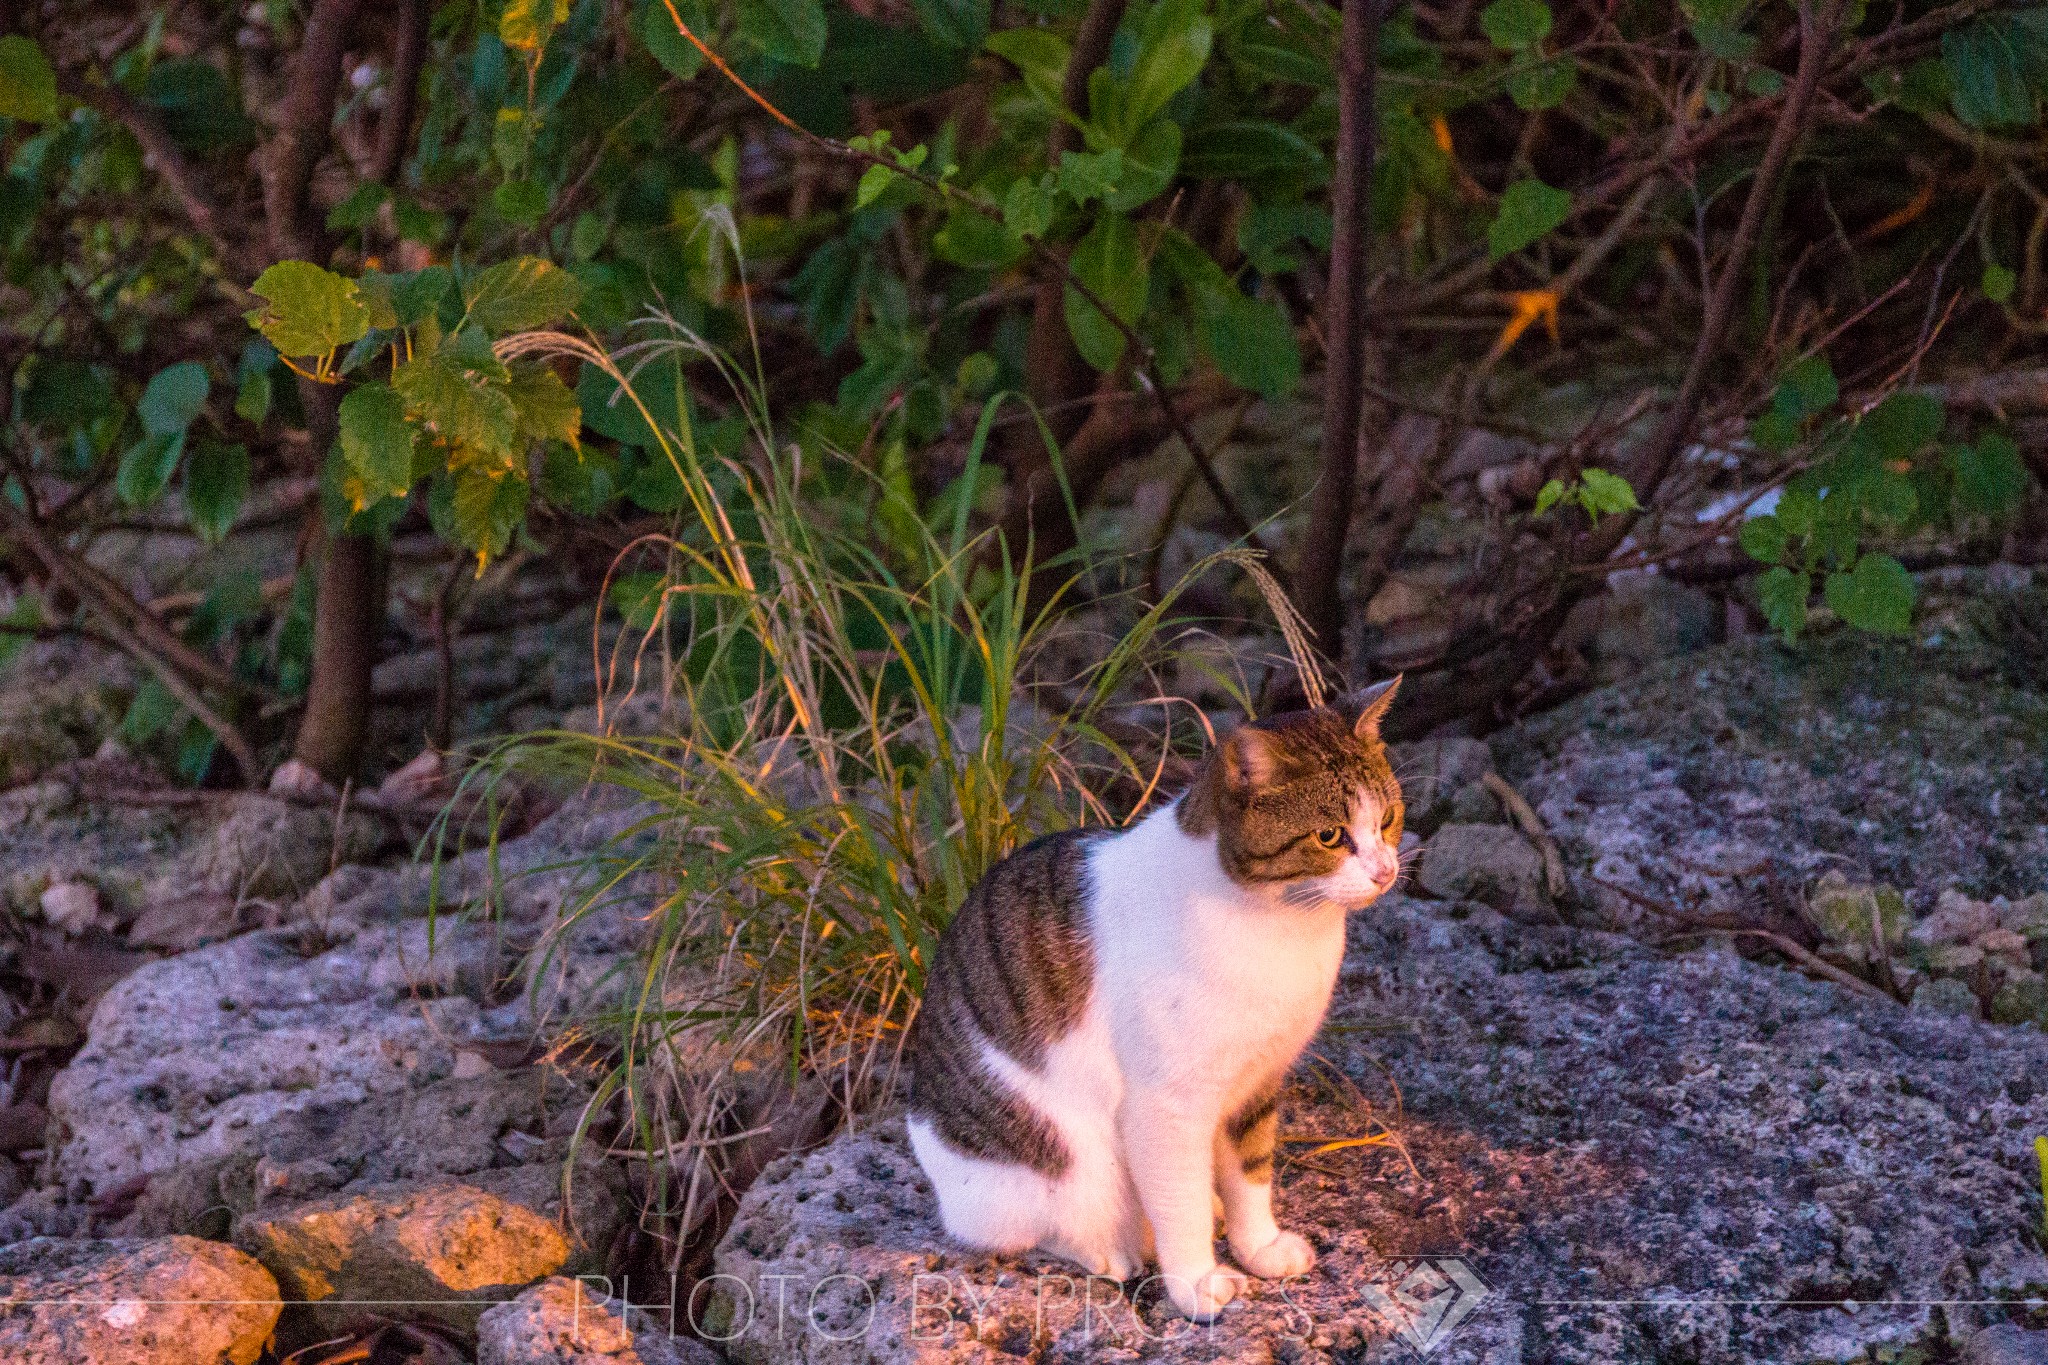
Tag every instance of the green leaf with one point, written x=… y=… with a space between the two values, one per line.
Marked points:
x=956 y=23
x=1998 y=283
x=1990 y=477
x=1083 y=176
x=1807 y=389
x=1040 y=56
x=252 y=397
x=1174 y=39
x=1603 y=492
x=1267 y=234
x=527 y=24
x=1763 y=538
x=1513 y=25
x=25 y=615
x=377 y=443
x=873 y=182
x=1529 y=209
x=1995 y=69
x=147 y=466
x=1549 y=495
x=1782 y=594
x=1246 y=149
x=216 y=485
x=28 y=87
x=1027 y=208
x=678 y=55
x=310 y=311
x=519 y=294
x=487 y=509
x=548 y=411
x=1253 y=345
x=1109 y=262
x=458 y=403
x=359 y=209
x=1149 y=163
x=196 y=105
x=1901 y=426
x=790 y=31
x=523 y=202
x=971 y=240
x=174 y=397
x=1877 y=595
x=1544 y=84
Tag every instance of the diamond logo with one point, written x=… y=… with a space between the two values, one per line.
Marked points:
x=1426 y=1300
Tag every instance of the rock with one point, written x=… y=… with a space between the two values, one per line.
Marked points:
x=1955 y=919
x=1491 y=864
x=2006 y=1344
x=73 y=907
x=173 y=1301
x=2023 y=999
x=561 y=1322
x=1475 y=804
x=264 y=848
x=1618 y=1156
x=1845 y=911
x=52 y=711
x=1751 y=769
x=1946 y=995
x=1432 y=772
x=445 y=1248
x=191 y=1058
x=1643 y=619
x=2027 y=918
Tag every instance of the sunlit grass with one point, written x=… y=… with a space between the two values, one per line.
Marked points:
x=861 y=732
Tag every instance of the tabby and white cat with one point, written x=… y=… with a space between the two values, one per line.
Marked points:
x=1108 y=1018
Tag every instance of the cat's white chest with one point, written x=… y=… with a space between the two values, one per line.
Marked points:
x=1201 y=984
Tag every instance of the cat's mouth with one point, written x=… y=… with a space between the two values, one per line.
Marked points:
x=1318 y=894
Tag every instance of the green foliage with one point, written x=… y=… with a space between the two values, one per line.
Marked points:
x=1885 y=473
x=28 y=87
x=1529 y=211
x=216 y=486
x=1597 y=492
x=310 y=312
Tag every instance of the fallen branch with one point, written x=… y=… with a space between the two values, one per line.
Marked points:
x=1532 y=826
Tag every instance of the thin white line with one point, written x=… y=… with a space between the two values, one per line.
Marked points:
x=1792 y=1303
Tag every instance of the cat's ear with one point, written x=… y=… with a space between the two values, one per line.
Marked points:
x=1248 y=757
x=1371 y=705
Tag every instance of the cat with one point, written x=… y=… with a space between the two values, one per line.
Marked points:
x=1108 y=1018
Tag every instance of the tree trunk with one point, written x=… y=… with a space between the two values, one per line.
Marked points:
x=1318 y=573
x=346 y=619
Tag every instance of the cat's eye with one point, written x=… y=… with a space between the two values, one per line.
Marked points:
x=1333 y=837
x=1387 y=820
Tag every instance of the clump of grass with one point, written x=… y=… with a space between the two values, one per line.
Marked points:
x=859 y=735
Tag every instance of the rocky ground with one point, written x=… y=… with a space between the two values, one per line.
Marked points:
x=1709 y=1029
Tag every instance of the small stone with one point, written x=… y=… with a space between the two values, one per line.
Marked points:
x=564 y=1322
x=163 y=1301
x=73 y=907
x=1945 y=995
x=2006 y=944
x=1474 y=804
x=1954 y=959
x=1843 y=910
x=2028 y=918
x=1956 y=919
x=2023 y=999
x=1486 y=863
x=2006 y=1344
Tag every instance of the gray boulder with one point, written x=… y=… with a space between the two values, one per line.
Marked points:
x=2006 y=1344
x=1584 y=1153
x=1492 y=864
x=1739 y=775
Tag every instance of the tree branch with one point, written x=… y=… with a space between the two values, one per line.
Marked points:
x=408 y=55
x=305 y=126
x=168 y=158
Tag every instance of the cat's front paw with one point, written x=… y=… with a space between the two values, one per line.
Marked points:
x=1203 y=1296
x=1286 y=1255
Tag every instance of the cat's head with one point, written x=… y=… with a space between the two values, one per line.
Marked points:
x=1305 y=805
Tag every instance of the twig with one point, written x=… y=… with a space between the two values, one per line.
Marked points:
x=1532 y=826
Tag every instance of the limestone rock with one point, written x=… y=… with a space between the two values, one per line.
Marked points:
x=265 y=848
x=564 y=1322
x=1751 y=769
x=1945 y=995
x=1491 y=864
x=174 y=1301
x=2006 y=1344
x=191 y=1057
x=1846 y=911
x=1633 y=1155
x=446 y=1248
